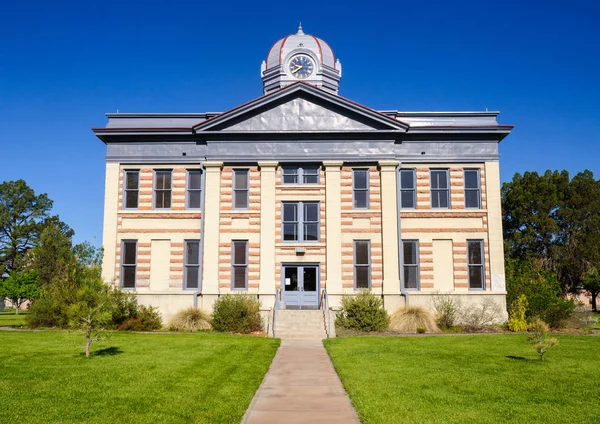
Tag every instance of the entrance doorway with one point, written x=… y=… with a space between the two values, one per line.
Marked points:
x=300 y=286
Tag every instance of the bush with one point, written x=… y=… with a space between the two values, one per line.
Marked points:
x=45 y=312
x=480 y=317
x=237 y=314
x=190 y=319
x=125 y=306
x=147 y=318
x=410 y=318
x=517 y=320
x=558 y=311
x=421 y=330
x=447 y=310
x=363 y=312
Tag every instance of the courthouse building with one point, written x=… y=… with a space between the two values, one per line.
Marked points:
x=302 y=190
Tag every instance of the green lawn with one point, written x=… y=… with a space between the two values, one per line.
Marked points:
x=8 y=318
x=476 y=379
x=133 y=378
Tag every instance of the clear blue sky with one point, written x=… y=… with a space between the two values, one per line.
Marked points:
x=64 y=64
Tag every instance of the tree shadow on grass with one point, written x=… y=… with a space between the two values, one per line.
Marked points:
x=517 y=358
x=108 y=351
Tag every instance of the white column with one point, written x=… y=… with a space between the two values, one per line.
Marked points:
x=495 y=238
x=389 y=226
x=333 y=211
x=109 y=231
x=267 y=227
x=212 y=204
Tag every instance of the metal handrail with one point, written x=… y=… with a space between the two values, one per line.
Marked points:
x=325 y=302
x=275 y=309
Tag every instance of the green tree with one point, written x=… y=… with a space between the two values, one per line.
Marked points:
x=20 y=287
x=91 y=310
x=591 y=283
x=22 y=215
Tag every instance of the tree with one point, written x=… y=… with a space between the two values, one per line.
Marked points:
x=538 y=337
x=20 y=287
x=591 y=283
x=91 y=311
x=22 y=214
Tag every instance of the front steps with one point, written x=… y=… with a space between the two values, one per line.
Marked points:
x=301 y=324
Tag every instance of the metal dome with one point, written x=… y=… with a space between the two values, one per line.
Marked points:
x=282 y=48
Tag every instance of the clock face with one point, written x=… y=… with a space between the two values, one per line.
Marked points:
x=301 y=66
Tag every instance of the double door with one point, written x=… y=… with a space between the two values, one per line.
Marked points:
x=300 y=286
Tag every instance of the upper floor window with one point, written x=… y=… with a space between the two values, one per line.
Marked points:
x=239 y=264
x=300 y=174
x=362 y=264
x=301 y=221
x=240 y=188
x=410 y=264
x=192 y=264
x=440 y=191
x=408 y=188
x=475 y=264
x=132 y=189
x=162 y=189
x=194 y=188
x=472 y=189
x=128 y=263
x=360 y=188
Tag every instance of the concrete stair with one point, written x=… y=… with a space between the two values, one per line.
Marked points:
x=300 y=324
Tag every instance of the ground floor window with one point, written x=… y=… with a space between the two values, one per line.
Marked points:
x=362 y=264
x=192 y=264
x=239 y=265
x=410 y=264
x=128 y=263
x=475 y=264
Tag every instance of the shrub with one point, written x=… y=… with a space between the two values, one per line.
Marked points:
x=517 y=320
x=421 y=330
x=409 y=318
x=480 y=317
x=538 y=337
x=125 y=306
x=363 y=312
x=147 y=318
x=447 y=310
x=558 y=311
x=190 y=319
x=237 y=314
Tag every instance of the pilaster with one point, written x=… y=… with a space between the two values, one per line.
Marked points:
x=333 y=208
x=495 y=238
x=109 y=230
x=212 y=202
x=267 y=227
x=389 y=226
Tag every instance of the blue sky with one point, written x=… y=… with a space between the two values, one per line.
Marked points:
x=64 y=64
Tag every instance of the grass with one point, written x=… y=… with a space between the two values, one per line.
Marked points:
x=8 y=318
x=132 y=378
x=473 y=379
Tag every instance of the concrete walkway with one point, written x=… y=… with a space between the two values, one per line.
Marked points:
x=301 y=386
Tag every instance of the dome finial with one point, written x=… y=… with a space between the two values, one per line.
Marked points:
x=300 y=32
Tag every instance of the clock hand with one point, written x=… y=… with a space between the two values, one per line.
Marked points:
x=296 y=70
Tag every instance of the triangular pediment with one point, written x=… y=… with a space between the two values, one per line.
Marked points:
x=301 y=108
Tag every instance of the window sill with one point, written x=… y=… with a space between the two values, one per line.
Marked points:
x=299 y=186
x=300 y=244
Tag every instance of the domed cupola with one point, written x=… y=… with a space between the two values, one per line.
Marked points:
x=301 y=57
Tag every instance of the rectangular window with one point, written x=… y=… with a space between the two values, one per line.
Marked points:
x=192 y=264
x=300 y=175
x=410 y=264
x=472 y=189
x=360 y=188
x=239 y=264
x=440 y=192
x=240 y=188
x=475 y=264
x=301 y=221
x=128 y=263
x=408 y=188
x=362 y=264
x=132 y=189
x=162 y=189
x=194 y=188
